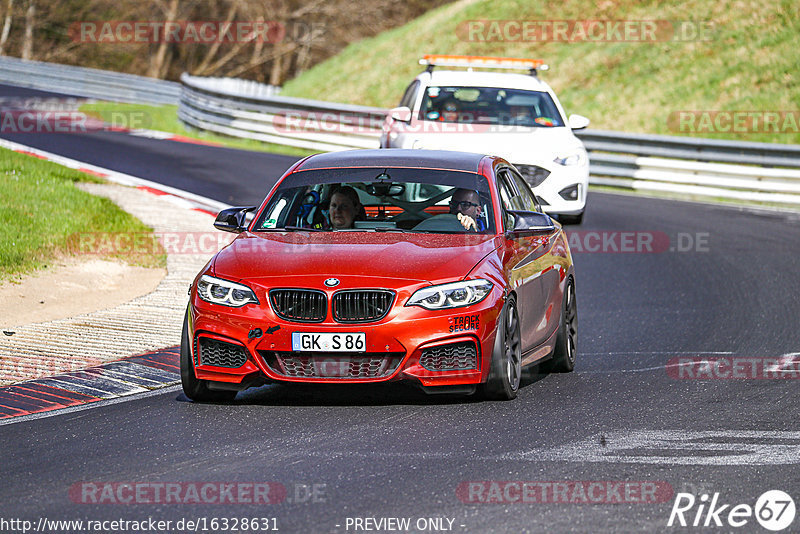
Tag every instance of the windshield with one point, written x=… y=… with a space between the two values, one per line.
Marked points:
x=380 y=200
x=490 y=105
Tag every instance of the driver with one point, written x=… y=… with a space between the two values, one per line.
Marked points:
x=344 y=207
x=465 y=203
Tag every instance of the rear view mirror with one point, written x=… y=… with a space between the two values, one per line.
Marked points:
x=234 y=219
x=531 y=222
x=380 y=189
x=578 y=122
x=400 y=114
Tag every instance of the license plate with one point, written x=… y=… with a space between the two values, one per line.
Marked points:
x=324 y=342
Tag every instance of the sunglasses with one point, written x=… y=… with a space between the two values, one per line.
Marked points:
x=464 y=204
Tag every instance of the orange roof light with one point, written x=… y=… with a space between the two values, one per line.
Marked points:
x=439 y=60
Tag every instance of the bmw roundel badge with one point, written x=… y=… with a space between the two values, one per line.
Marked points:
x=332 y=282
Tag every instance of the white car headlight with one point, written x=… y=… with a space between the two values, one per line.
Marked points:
x=573 y=158
x=224 y=292
x=453 y=295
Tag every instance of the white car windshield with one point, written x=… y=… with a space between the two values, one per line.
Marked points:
x=490 y=105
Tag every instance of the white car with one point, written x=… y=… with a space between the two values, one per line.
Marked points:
x=515 y=116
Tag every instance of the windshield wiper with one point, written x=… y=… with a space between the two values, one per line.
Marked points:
x=390 y=229
x=403 y=231
x=300 y=229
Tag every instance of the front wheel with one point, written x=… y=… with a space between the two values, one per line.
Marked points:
x=506 y=367
x=193 y=387
x=564 y=353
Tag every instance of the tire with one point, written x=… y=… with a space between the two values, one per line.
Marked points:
x=565 y=351
x=571 y=219
x=194 y=388
x=506 y=367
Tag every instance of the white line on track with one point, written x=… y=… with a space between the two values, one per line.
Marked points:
x=676 y=447
x=787 y=356
x=654 y=352
x=658 y=447
x=645 y=369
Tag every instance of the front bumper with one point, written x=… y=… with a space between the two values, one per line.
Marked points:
x=561 y=180
x=394 y=348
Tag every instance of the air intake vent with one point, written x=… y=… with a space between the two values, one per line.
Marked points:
x=299 y=305
x=342 y=365
x=221 y=354
x=533 y=174
x=456 y=356
x=361 y=305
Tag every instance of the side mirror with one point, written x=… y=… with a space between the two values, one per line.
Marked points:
x=578 y=122
x=402 y=113
x=532 y=222
x=234 y=219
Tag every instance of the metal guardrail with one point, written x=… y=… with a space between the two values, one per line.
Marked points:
x=692 y=148
x=246 y=109
x=208 y=104
x=88 y=83
x=231 y=86
x=763 y=172
x=704 y=167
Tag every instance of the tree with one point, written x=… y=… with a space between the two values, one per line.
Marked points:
x=6 y=25
x=159 y=65
x=30 y=20
x=302 y=33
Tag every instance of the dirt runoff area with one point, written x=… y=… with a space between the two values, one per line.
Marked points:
x=73 y=286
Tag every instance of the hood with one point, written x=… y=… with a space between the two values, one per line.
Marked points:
x=538 y=146
x=292 y=256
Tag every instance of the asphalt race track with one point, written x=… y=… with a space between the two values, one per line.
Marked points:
x=725 y=285
x=237 y=177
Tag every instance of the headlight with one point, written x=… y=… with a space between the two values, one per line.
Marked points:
x=453 y=295
x=225 y=293
x=575 y=158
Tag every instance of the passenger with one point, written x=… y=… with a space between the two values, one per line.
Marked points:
x=465 y=203
x=344 y=207
x=521 y=115
x=450 y=111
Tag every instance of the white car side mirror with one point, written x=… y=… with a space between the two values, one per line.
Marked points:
x=578 y=122
x=400 y=114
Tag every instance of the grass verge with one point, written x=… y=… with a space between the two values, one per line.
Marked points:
x=165 y=119
x=746 y=62
x=40 y=209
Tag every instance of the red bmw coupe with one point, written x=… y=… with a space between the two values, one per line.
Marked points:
x=433 y=267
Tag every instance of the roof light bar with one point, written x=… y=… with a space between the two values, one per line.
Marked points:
x=439 y=60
